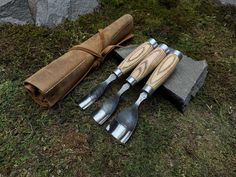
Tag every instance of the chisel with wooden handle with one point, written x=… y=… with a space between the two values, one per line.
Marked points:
x=146 y=66
x=129 y=63
x=124 y=124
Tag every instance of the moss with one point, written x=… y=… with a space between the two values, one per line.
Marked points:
x=64 y=141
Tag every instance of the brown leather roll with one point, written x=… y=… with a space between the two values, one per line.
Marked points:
x=53 y=82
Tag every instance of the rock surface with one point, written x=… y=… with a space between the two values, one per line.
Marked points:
x=231 y=2
x=184 y=83
x=15 y=12
x=44 y=12
x=53 y=12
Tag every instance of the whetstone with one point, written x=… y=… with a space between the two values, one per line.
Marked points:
x=184 y=83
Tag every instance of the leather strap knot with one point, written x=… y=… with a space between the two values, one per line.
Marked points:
x=100 y=56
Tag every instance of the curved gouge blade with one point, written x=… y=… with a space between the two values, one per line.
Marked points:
x=146 y=66
x=101 y=114
x=96 y=92
x=93 y=95
x=123 y=126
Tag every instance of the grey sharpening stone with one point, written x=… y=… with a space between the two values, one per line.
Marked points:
x=184 y=83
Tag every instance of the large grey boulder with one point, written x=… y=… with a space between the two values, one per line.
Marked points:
x=15 y=12
x=184 y=83
x=44 y=12
x=230 y=2
x=53 y=12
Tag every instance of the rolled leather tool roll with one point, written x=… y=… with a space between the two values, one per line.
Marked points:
x=53 y=82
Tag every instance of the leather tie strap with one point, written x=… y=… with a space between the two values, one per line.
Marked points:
x=100 y=56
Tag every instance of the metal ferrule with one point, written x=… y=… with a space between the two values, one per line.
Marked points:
x=153 y=42
x=131 y=80
x=177 y=53
x=148 y=89
x=117 y=72
x=164 y=47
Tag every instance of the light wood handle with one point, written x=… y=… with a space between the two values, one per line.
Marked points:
x=135 y=57
x=147 y=65
x=163 y=71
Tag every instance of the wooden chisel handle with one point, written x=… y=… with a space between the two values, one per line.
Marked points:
x=135 y=57
x=163 y=71
x=150 y=62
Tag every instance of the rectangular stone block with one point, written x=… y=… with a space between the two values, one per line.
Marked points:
x=183 y=84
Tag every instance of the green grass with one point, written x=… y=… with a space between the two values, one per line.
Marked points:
x=64 y=141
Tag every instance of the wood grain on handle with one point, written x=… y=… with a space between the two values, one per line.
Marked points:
x=134 y=58
x=147 y=65
x=163 y=71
